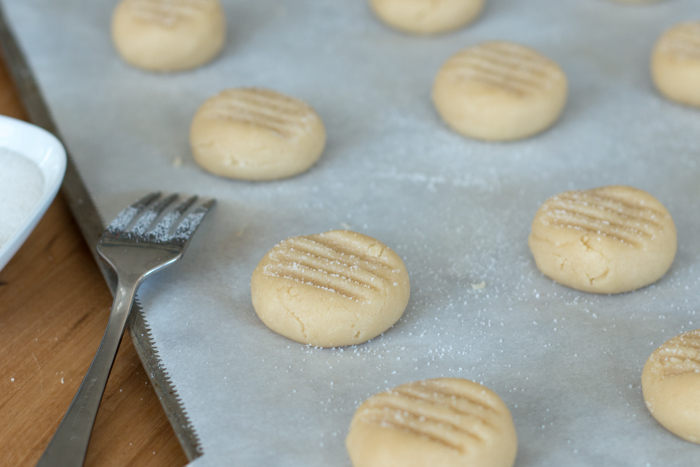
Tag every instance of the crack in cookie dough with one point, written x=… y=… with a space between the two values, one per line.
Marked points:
x=600 y=277
x=288 y=310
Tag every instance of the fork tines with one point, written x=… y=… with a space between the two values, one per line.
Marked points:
x=154 y=218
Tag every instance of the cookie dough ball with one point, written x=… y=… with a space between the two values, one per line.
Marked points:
x=675 y=64
x=446 y=422
x=671 y=385
x=331 y=289
x=499 y=91
x=256 y=134
x=606 y=240
x=168 y=35
x=427 y=16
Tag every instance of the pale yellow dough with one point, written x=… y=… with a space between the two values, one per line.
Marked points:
x=427 y=16
x=499 y=91
x=332 y=289
x=671 y=385
x=444 y=422
x=256 y=134
x=168 y=35
x=675 y=64
x=611 y=239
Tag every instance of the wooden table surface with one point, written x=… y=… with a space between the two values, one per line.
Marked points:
x=54 y=307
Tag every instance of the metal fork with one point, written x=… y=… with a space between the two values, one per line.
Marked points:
x=136 y=246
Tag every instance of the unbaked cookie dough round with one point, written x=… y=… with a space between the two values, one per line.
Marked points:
x=331 y=289
x=168 y=35
x=427 y=16
x=499 y=91
x=611 y=239
x=446 y=422
x=256 y=134
x=671 y=385
x=675 y=64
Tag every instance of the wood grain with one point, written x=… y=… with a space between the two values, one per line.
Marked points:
x=54 y=307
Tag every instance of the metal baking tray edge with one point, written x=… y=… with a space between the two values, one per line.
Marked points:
x=91 y=226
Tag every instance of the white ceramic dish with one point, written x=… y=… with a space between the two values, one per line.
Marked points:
x=49 y=154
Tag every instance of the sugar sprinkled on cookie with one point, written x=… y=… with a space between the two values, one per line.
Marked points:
x=332 y=289
x=611 y=239
x=671 y=385
x=446 y=422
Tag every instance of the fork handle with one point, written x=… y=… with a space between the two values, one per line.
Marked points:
x=70 y=442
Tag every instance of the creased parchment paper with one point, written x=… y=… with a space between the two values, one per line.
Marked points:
x=566 y=363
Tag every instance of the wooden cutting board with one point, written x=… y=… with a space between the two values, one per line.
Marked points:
x=54 y=307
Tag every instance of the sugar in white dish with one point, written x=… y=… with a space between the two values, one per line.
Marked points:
x=21 y=187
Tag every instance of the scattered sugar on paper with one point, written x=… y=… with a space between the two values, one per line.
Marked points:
x=21 y=187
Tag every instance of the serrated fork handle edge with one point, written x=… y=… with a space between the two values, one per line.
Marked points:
x=70 y=442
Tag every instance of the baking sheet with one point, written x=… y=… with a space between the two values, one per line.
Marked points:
x=566 y=363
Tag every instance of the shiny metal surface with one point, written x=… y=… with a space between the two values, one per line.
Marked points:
x=138 y=243
x=91 y=226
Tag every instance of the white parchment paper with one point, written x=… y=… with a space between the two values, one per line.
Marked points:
x=567 y=363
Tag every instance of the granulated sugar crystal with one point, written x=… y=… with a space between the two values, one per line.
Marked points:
x=21 y=187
